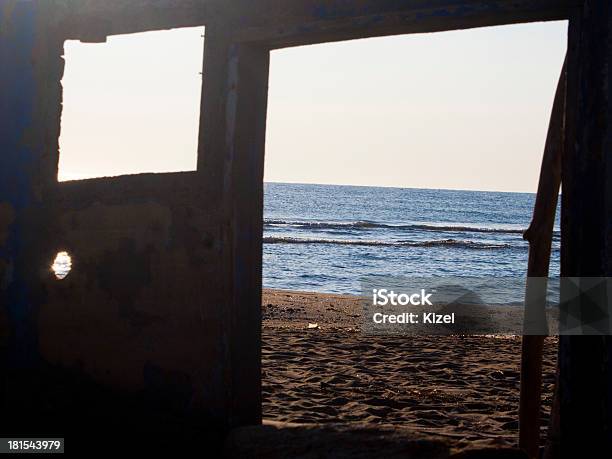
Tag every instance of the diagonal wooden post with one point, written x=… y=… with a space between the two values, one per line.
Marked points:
x=539 y=235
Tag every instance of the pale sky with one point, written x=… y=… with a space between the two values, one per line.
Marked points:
x=460 y=110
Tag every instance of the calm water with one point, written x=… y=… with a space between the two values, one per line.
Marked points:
x=327 y=237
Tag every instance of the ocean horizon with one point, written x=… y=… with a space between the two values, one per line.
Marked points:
x=326 y=238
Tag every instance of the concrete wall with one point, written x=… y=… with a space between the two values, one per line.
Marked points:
x=148 y=331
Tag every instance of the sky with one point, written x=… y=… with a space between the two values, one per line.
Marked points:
x=457 y=110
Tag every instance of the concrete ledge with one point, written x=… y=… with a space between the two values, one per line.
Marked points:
x=284 y=440
x=275 y=440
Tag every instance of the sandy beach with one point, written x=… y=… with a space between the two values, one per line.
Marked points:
x=318 y=367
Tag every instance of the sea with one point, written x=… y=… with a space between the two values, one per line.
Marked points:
x=327 y=238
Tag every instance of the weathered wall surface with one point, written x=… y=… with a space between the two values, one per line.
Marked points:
x=140 y=309
x=137 y=337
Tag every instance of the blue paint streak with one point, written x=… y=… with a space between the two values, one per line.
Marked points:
x=17 y=161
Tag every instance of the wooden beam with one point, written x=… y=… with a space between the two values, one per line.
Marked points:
x=295 y=22
x=248 y=90
x=585 y=362
x=232 y=147
x=301 y=22
x=539 y=234
x=230 y=161
x=93 y=21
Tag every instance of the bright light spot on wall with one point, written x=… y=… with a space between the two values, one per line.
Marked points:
x=62 y=265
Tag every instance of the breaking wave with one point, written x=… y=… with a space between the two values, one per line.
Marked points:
x=358 y=242
x=372 y=225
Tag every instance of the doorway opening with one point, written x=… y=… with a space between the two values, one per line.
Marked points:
x=412 y=155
